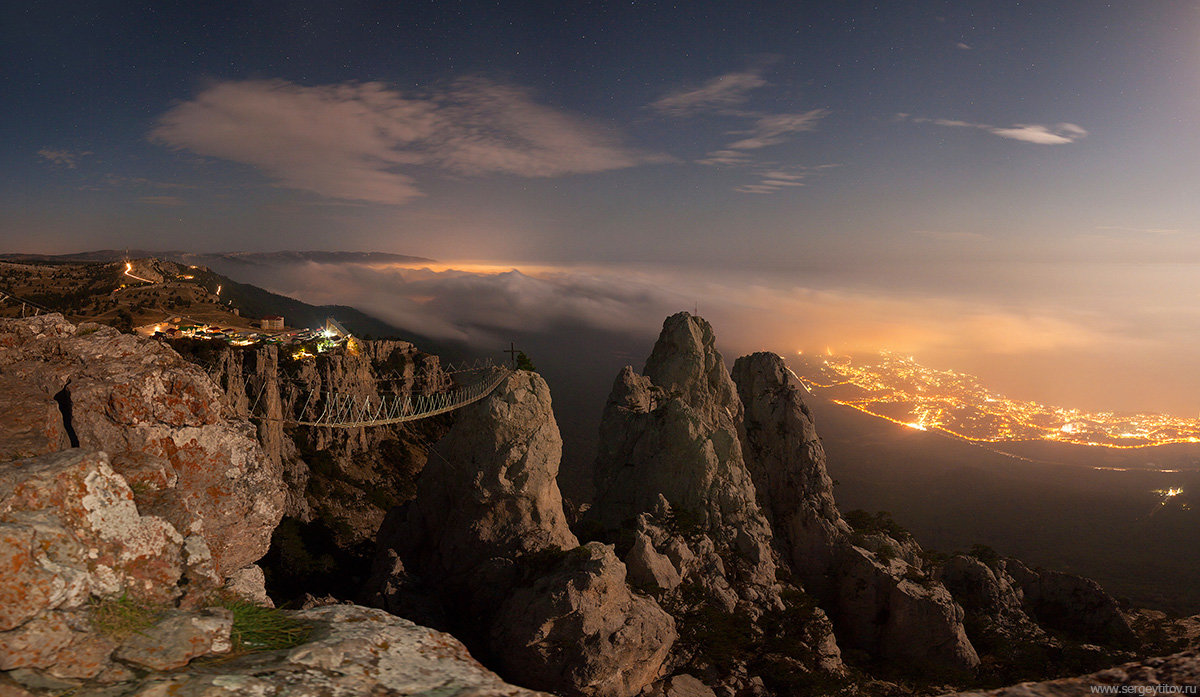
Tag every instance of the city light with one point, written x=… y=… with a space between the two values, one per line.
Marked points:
x=899 y=389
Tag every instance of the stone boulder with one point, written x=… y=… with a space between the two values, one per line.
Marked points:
x=878 y=602
x=158 y=417
x=71 y=536
x=682 y=685
x=583 y=603
x=1074 y=605
x=1172 y=674
x=486 y=540
x=487 y=497
x=993 y=601
x=672 y=434
x=352 y=651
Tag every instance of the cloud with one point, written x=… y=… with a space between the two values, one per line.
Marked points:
x=368 y=141
x=773 y=129
x=728 y=158
x=753 y=311
x=951 y=235
x=1043 y=135
x=122 y=181
x=720 y=93
x=775 y=180
x=63 y=158
x=162 y=200
x=725 y=96
x=1140 y=230
x=1059 y=134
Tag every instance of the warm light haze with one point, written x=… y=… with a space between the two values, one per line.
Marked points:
x=1002 y=189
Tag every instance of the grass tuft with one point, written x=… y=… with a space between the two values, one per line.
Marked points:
x=258 y=628
x=120 y=617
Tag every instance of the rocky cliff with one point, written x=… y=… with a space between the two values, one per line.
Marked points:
x=160 y=421
x=340 y=481
x=675 y=494
x=485 y=542
x=878 y=601
x=714 y=559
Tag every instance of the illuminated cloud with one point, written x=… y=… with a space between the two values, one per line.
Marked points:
x=1140 y=230
x=773 y=129
x=720 y=93
x=162 y=200
x=752 y=311
x=364 y=141
x=774 y=180
x=1059 y=134
x=1043 y=135
x=950 y=235
x=728 y=158
x=62 y=158
x=725 y=96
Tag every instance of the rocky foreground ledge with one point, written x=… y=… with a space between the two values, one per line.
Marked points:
x=714 y=562
x=1168 y=675
x=352 y=651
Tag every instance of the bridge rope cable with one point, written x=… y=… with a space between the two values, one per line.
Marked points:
x=37 y=307
x=347 y=411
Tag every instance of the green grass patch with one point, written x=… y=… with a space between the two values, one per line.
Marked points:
x=258 y=628
x=120 y=617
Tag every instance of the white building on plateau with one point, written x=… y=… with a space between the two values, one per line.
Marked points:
x=335 y=328
x=272 y=322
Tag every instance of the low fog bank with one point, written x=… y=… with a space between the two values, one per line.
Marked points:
x=1069 y=337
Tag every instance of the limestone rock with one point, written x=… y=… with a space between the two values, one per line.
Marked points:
x=672 y=434
x=647 y=568
x=1072 y=604
x=583 y=603
x=682 y=685
x=157 y=416
x=992 y=598
x=489 y=496
x=348 y=478
x=353 y=651
x=69 y=525
x=1167 y=675
x=875 y=601
x=251 y=584
x=175 y=640
x=486 y=537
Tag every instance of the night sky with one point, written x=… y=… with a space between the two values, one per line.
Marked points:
x=1004 y=187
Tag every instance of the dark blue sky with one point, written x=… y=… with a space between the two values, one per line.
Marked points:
x=1004 y=162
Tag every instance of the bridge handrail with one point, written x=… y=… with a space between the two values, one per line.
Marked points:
x=349 y=412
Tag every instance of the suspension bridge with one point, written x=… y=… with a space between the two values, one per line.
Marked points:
x=349 y=411
x=300 y=404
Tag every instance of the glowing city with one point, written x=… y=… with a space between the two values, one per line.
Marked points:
x=899 y=389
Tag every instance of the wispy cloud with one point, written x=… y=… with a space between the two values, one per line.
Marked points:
x=773 y=129
x=63 y=158
x=1058 y=134
x=1140 y=230
x=950 y=235
x=367 y=141
x=720 y=93
x=121 y=180
x=774 y=180
x=728 y=158
x=162 y=200
x=726 y=96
